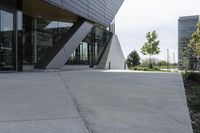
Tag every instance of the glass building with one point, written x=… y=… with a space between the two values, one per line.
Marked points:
x=55 y=33
x=186 y=27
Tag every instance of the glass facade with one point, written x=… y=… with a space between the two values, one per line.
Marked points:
x=30 y=29
x=80 y=55
x=40 y=35
x=111 y=28
x=91 y=48
x=10 y=34
x=7 y=60
x=186 y=27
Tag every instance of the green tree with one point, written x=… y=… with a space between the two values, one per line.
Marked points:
x=194 y=43
x=186 y=57
x=133 y=59
x=144 y=63
x=151 y=46
x=162 y=63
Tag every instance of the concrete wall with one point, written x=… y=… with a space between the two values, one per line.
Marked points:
x=100 y=11
x=76 y=67
x=112 y=54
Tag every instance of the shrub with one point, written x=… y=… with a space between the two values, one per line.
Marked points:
x=192 y=76
x=133 y=59
x=196 y=90
x=195 y=104
x=157 y=69
x=145 y=69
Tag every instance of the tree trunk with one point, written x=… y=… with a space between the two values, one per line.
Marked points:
x=150 y=62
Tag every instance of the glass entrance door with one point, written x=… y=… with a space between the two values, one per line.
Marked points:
x=91 y=55
x=7 y=60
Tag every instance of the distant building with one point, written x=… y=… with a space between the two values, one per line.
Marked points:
x=186 y=27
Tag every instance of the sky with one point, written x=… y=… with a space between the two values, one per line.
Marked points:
x=137 y=17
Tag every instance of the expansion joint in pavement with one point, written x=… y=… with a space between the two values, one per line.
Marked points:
x=76 y=104
x=46 y=119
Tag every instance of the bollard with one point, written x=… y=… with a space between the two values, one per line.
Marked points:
x=109 y=67
x=124 y=65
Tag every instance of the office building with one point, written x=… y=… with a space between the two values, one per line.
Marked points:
x=186 y=27
x=52 y=34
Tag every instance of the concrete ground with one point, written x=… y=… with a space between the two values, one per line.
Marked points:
x=93 y=102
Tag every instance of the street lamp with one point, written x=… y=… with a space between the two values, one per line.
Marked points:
x=167 y=58
x=174 y=59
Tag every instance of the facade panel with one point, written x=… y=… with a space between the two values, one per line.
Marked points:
x=99 y=11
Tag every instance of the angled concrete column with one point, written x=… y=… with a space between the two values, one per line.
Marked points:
x=64 y=54
x=113 y=56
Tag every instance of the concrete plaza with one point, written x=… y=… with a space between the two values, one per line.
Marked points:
x=93 y=102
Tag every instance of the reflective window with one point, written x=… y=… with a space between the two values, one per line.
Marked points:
x=46 y=34
x=41 y=35
x=91 y=49
x=6 y=40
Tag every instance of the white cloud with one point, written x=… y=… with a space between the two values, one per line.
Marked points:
x=137 y=17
